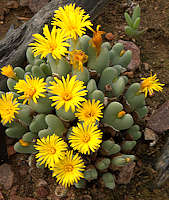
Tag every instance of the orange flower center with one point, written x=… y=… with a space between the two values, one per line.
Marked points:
x=68 y=168
x=52 y=150
x=67 y=96
x=31 y=92
x=86 y=138
x=89 y=114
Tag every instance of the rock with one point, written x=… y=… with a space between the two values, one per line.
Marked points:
x=109 y=36
x=135 y=61
x=11 y=150
x=1 y=196
x=60 y=191
x=146 y=66
x=6 y=176
x=41 y=192
x=129 y=74
x=150 y=135
x=23 y=171
x=24 y=2
x=36 y=5
x=12 y=4
x=159 y=120
x=126 y=173
x=41 y=182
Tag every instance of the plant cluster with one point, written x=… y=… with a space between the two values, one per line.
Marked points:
x=71 y=106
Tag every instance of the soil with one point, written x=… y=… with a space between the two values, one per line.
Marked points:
x=154 y=46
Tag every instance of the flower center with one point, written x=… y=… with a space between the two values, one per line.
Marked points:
x=86 y=138
x=52 y=150
x=31 y=92
x=145 y=83
x=89 y=114
x=9 y=109
x=67 y=96
x=69 y=168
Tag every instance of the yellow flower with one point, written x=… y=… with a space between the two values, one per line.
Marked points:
x=90 y=112
x=50 y=150
x=8 y=71
x=8 y=107
x=72 y=20
x=69 y=92
x=77 y=58
x=53 y=43
x=69 y=169
x=85 y=138
x=96 y=41
x=32 y=88
x=149 y=84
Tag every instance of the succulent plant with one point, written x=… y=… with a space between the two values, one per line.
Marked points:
x=62 y=92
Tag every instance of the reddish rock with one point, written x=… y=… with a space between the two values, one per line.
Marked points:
x=11 y=150
x=16 y=197
x=109 y=36
x=6 y=176
x=126 y=173
x=41 y=192
x=41 y=182
x=13 y=190
x=135 y=61
x=159 y=120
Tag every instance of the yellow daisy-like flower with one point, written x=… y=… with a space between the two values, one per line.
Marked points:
x=149 y=84
x=69 y=92
x=96 y=41
x=53 y=43
x=72 y=20
x=8 y=71
x=85 y=138
x=90 y=111
x=32 y=87
x=8 y=107
x=69 y=170
x=50 y=150
x=77 y=58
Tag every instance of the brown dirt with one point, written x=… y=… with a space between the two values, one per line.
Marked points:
x=154 y=46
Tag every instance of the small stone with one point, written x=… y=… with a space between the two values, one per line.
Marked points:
x=13 y=190
x=135 y=61
x=12 y=4
x=61 y=191
x=150 y=135
x=129 y=74
x=11 y=150
x=6 y=176
x=36 y=5
x=41 y=182
x=146 y=66
x=126 y=173
x=159 y=120
x=41 y=192
x=109 y=36
x=24 y=2
x=85 y=197
x=1 y=196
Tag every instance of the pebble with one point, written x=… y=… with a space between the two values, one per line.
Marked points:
x=41 y=192
x=6 y=176
x=159 y=120
x=1 y=196
x=109 y=36
x=135 y=61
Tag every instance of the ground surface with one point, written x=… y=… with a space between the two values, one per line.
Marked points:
x=154 y=46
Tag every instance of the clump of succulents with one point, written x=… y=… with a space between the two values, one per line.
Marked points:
x=68 y=106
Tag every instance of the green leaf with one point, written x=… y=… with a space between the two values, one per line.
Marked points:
x=136 y=13
x=128 y=19
x=136 y=23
